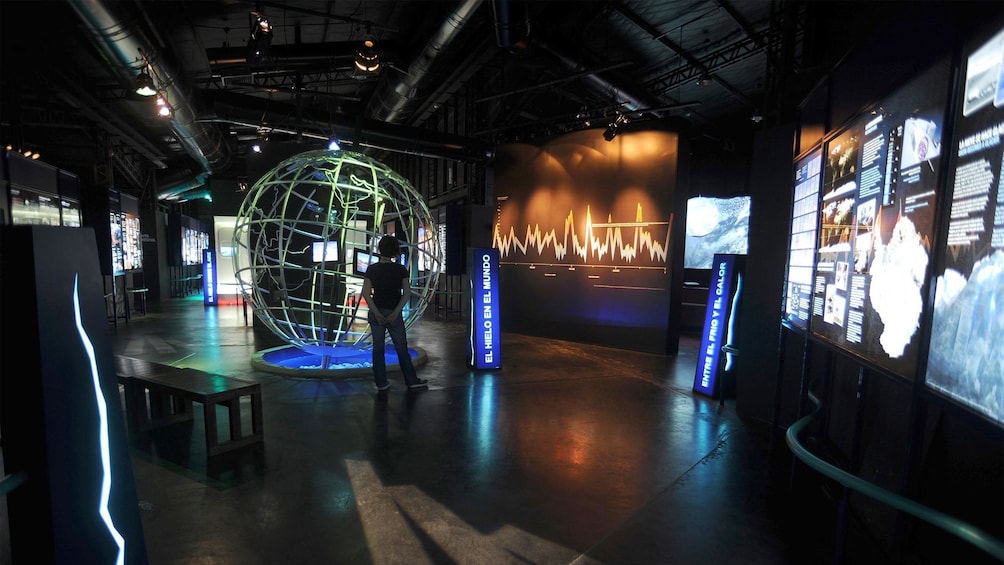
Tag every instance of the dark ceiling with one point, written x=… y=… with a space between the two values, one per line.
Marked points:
x=456 y=77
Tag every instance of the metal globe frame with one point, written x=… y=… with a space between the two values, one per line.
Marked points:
x=340 y=203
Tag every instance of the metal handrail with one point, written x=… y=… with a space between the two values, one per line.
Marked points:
x=950 y=524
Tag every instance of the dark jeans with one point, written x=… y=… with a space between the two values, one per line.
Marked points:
x=399 y=336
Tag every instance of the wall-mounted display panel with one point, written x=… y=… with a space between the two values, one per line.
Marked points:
x=69 y=199
x=126 y=237
x=879 y=194
x=31 y=207
x=966 y=353
x=802 y=241
x=716 y=225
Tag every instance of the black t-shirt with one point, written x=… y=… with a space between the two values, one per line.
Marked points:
x=385 y=278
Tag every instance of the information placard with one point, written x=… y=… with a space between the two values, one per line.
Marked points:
x=802 y=242
x=879 y=195
x=484 y=339
x=719 y=322
x=966 y=354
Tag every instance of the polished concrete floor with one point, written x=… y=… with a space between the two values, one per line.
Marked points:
x=568 y=454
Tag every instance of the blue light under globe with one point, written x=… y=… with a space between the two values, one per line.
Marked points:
x=306 y=232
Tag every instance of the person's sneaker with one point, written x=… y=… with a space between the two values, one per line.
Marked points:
x=383 y=388
x=422 y=383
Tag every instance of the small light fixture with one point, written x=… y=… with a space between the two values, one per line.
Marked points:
x=704 y=80
x=256 y=147
x=144 y=84
x=367 y=56
x=757 y=117
x=333 y=144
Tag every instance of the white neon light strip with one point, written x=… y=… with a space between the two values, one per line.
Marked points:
x=106 y=481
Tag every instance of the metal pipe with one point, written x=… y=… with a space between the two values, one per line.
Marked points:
x=389 y=103
x=128 y=50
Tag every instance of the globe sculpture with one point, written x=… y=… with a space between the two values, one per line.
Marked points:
x=305 y=234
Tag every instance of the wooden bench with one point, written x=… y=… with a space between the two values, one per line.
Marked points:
x=158 y=395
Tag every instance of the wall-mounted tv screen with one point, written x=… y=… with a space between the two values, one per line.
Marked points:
x=802 y=242
x=716 y=225
x=879 y=195
x=966 y=350
x=326 y=251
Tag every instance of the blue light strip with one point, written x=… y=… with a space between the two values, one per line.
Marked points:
x=106 y=481
x=732 y=320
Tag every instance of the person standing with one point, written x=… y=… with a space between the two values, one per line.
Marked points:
x=387 y=289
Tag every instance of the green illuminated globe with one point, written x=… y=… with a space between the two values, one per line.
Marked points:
x=306 y=233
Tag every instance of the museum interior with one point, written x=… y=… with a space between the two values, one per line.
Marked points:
x=690 y=281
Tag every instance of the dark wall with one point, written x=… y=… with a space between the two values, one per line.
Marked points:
x=759 y=326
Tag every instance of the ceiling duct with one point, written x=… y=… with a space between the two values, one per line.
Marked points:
x=389 y=103
x=124 y=46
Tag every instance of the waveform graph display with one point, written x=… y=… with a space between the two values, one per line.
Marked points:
x=607 y=243
x=587 y=236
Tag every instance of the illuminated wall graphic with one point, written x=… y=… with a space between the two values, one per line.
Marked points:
x=104 y=449
x=607 y=243
x=585 y=232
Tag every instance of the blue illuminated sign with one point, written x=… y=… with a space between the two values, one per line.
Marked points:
x=208 y=277
x=723 y=295
x=484 y=333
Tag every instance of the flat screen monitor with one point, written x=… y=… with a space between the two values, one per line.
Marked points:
x=716 y=225
x=363 y=260
x=324 y=251
x=966 y=346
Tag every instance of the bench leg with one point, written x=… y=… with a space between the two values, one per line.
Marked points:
x=234 y=408
x=256 y=424
x=212 y=441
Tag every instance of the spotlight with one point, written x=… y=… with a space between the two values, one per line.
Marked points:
x=757 y=117
x=144 y=84
x=367 y=56
x=163 y=108
x=261 y=38
x=333 y=144
x=256 y=147
x=610 y=133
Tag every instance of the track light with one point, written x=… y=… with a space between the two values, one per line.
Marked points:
x=144 y=84
x=261 y=38
x=163 y=108
x=611 y=132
